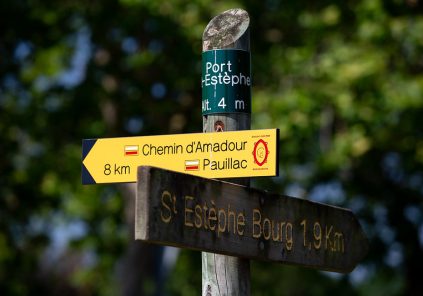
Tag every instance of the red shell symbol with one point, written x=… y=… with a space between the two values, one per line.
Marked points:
x=260 y=152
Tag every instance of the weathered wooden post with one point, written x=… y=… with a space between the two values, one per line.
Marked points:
x=180 y=204
x=225 y=110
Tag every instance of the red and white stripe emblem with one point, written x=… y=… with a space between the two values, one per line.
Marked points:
x=131 y=150
x=192 y=165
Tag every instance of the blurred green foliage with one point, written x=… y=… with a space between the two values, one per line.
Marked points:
x=342 y=80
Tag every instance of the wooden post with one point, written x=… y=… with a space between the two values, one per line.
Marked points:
x=226 y=275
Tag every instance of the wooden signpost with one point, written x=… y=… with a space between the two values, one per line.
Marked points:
x=231 y=223
x=219 y=217
x=226 y=106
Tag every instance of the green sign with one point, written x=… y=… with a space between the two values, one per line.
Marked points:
x=226 y=81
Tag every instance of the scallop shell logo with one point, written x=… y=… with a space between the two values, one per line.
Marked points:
x=260 y=152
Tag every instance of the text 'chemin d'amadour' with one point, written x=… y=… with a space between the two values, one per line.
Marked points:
x=249 y=153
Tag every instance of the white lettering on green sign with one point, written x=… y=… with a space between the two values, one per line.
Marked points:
x=226 y=81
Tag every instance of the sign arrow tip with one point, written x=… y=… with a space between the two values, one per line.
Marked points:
x=87 y=179
x=87 y=145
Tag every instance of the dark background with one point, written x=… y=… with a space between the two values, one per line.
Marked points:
x=342 y=80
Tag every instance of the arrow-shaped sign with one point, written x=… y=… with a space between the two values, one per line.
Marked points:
x=251 y=153
x=214 y=216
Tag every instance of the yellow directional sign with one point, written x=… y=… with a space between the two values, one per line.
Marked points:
x=250 y=153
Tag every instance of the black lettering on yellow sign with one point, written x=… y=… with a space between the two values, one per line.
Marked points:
x=149 y=149
x=227 y=164
x=116 y=169
x=225 y=146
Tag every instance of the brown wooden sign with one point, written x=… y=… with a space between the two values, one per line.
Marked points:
x=203 y=214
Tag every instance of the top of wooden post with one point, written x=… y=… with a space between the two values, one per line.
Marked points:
x=230 y=29
x=226 y=275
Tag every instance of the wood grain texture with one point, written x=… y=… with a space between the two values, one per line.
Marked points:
x=175 y=209
x=222 y=275
x=230 y=29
